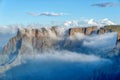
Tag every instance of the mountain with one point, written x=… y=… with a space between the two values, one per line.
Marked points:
x=41 y=40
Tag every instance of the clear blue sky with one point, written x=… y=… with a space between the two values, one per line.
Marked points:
x=15 y=11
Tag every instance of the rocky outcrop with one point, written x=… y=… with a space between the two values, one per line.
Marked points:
x=72 y=31
x=89 y=30
x=103 y=30
x=30 y=40
x=33 y=39
x=114 y=28
x=86 y=30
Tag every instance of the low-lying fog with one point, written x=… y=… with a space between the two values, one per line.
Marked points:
x=63 y=65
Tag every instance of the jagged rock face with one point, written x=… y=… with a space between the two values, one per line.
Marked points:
x=103 y=30
x=38 y=38
x=34 y=39
x=114 y=28
x=89 y=30
x=86 y=31
x=72 y=31
x=43 y=38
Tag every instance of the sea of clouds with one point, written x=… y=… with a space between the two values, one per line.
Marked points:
x=62 y=65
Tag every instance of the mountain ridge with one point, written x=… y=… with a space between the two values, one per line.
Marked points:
x=30 y=40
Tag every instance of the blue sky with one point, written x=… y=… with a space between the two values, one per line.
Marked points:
x=16 y=11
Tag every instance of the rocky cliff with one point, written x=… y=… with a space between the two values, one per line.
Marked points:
x=43 y=38
x=30 y=40
x=114 y=28
x=38 y=39
x=90 y=30
x=86 y=30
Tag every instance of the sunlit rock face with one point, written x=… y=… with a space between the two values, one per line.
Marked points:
x=72 y=31
x=38 y=38
x=90 y=30
x=35 y=39
x=86 y=31
x=113 y=28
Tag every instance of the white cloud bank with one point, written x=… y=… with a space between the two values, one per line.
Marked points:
x=89 y=22
x=67 y=24
x=8 y=29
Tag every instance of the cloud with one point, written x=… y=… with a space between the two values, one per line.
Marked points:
x=89 y=22
x=106 y=21
x=102 y=22
x=11 y=29
x=67 y=24
x=107 y=4
x=46 y=14
x=71 y=23
x=103 y=39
